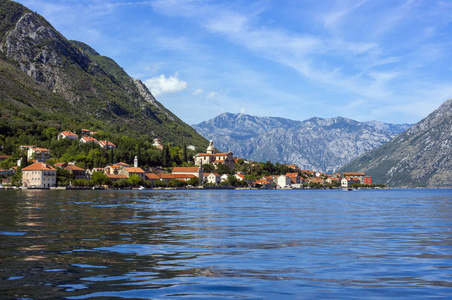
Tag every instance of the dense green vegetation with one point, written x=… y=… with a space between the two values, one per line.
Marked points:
x=80 y=89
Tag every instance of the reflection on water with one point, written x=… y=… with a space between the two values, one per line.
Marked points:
x=226 y=244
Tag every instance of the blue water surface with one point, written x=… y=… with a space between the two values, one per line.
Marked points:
x=226 y=244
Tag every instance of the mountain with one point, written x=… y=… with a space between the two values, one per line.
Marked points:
x=316 y=144
x=419 y=157
x=47 y=80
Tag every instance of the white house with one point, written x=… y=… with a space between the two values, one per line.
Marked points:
x=212 y=178
x=88 y=139
x=40 y=154
x=67 y=135
x=39 y=175
x=283 y=181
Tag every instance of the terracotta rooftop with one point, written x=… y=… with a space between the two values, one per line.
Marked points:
x=39 y=167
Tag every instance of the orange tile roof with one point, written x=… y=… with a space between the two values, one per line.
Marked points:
x=121 y=164
x=74 y=168
x=354 y=173
x=203 y=154
x=134 y=170
x=39 y=166
x=106 y=143
x=152 y=176
x=207 y=174
x=68 y=133
x=89 y=139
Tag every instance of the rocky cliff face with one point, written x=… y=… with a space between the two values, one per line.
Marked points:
x=316 y=144
x=93 y=86
x=419 y=157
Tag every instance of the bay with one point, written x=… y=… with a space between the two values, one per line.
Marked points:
x=227 y=244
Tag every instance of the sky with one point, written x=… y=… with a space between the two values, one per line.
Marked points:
x=384 y=60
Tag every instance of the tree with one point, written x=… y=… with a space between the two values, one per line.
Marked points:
x=134 y=179
x=232 y=180
x=208 y=168
x=223 y=169
x=193 y=181
x=99 y=178
x=184 y=153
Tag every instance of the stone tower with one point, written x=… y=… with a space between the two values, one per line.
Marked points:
x=135 y=162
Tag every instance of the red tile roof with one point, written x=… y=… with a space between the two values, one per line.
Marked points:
x=134 y=170
x=106 y=144
x=74 y=168
x=68 y=133
x=39 y=167
x=89 y=139
x=121 y=164
x=152 y=176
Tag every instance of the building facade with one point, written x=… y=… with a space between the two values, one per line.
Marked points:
x=39 y=175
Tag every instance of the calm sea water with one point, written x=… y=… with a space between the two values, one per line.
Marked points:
x=268 y=244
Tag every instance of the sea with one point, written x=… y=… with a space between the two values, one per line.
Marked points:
x=226 y=244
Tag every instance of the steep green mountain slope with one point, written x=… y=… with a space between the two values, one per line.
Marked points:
x=418 y=157
x=46 y=80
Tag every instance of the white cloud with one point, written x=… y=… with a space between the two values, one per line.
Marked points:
x=162 y=85
x=197 y=92
x=211 y=94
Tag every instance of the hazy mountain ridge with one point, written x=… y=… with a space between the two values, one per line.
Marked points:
x=316 y=143
x=90 y=87
x=419 y=157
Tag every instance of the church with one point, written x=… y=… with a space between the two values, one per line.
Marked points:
x=214 y=158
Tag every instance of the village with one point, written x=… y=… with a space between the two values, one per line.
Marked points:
x=212 y=169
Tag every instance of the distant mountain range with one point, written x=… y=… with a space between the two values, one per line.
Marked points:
x=419 y=157
x=315 y=144
x=49 y=81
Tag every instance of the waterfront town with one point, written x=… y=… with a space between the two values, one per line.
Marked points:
x=212 y=169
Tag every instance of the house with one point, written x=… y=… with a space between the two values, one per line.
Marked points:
x=367 y=180
x=88 y=139
x=317 y=180
x=76 y=172
x=265 y=184
x=116 y=177
x=283 y=181
x=295 y=177
x=67 y=135
x=347 y=182
x=224 y=177
x=213 y=178
x=157 y=144
x=196 y=171
x=107 y=145
x=129 y=171
x=39 y=154
x=39 y=175
x=183 y=177
x=212 y=157
x=359 y=175
x=330 y=180
x=151 y=177
x=86 y=131
x=61 y=165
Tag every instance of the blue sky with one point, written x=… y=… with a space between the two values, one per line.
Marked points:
x=389 y=61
